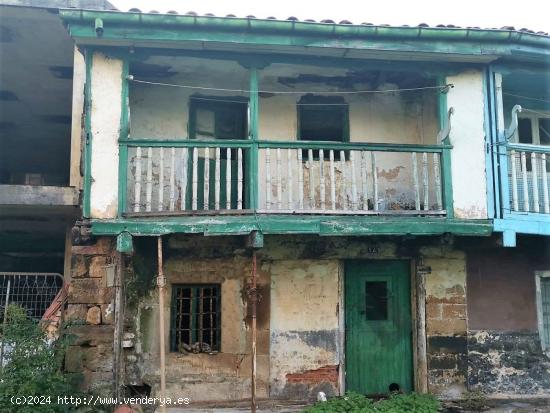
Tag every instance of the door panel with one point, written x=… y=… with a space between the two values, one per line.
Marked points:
x=378 y=326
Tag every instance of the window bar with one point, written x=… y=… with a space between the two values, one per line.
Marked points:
x=201 y=315
x=172 y=178
x=211 y=319
x=184 y=155
x=228 y=180
x=300 y=180
x=289 y=176
x=206 y=189
x=545 y=184
x=149 y=188
x=437 y=178
x=311 y=182
x=179 y=324
x=515 y=201
x=239 y=178
x=332 y=182
x=364 y=180
x=525 y=187
x=353 y=181
x=195 y=177
x=535 y=180
x=374 y=180
x=322 y=178
x=344 y=183
x=426 y=182
x=217 y=181
x=137 y=186
x=161 y=179
x=279 y=181
x=268 y=178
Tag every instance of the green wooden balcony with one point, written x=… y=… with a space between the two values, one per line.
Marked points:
x=221 y=177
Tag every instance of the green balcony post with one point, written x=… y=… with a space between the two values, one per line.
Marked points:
x=123 y=147
x=252 y=155
x=446 y=152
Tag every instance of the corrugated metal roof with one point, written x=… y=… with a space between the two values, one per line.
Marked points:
x=344 y=22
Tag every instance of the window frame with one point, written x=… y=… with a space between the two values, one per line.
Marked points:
x=173 y=314
x=534 y=118
x=338 y=102
x=212 y=103
x=539 y=276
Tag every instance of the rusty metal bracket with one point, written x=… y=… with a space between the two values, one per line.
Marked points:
x=444 y=133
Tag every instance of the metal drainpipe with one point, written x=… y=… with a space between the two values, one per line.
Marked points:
x=161 y=283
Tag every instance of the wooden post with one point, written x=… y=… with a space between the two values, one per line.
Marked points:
x=161 y=282
x=253 y=302
x=4 y=324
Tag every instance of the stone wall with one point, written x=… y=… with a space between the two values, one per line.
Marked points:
x=90 y=316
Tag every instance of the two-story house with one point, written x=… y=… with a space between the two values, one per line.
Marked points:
x=318 y=200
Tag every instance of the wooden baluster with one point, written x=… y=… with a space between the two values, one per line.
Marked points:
x=149 y=187
x=228 y=180
x=535 y=178
x=525 y=183
x=414 y=161
x=332 y=181
x=322 y=178
x=515 y=199
x=545 y=184
x=426 y=181
x=239 y=178
x=195 y=152
x=217 y=181
x=268 y=178
x=289 y=177
x=353 y=181
x=279 y=181
x=206 y=192
x=300 y=180
x=364 y=180
x=161 y=179
x=311 y=181
x=344 y=186
x=172 y=178
x=137 y=185
x=374 y=180
x=437 y=179
x=184 y=178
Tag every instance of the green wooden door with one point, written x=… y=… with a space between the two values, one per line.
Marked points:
x=378 y=326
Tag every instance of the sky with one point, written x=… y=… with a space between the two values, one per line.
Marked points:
x=531 y=14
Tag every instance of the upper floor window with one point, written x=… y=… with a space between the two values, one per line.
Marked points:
x=323 y=118
x=534 y=129
x=218 y=117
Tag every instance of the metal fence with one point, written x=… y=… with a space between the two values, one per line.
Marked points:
x=33 y=291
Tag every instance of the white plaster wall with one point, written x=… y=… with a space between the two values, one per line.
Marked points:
x=468 y=138
x=304 y=318
x=79 y=78
x=105 y=125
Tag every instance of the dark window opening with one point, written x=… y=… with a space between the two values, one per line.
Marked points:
x=196 y=318
x=376 y=300
x=218 y=118
x=544 y=131
x=525 y=134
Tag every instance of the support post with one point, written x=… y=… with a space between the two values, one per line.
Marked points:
x=4 y=325
x=443 y=115
x=252 y=153
x=253 y=303
x=161 y=283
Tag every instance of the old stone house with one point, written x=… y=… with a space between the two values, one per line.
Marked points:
x=343 y=206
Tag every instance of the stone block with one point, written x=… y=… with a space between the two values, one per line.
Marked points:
x=433 y=310
x=73 y=359
x=99 y=358
x=79 y=266
x=89 y=291
x=93 y=315
x=447 y=345
x=97 y=267
x=90 y=335
x=76 y=312
x=107 y=313
x=454 y=311
x=445 y=327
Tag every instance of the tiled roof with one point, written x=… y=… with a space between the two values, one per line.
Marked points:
x=347 y=22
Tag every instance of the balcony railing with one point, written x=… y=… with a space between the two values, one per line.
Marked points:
x=297 y=177
x=528 y=170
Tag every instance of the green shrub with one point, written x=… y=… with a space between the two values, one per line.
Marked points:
x=32 y=366
x=396 y=403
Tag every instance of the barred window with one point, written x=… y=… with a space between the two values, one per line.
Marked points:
x=196 y=318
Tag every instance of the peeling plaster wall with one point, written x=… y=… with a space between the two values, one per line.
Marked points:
x=79 y=78
x=304 y=328
x=468 y=139
x=505 y=357
x=105 y=124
